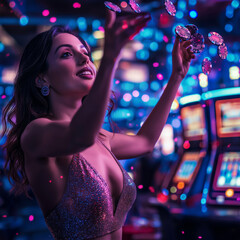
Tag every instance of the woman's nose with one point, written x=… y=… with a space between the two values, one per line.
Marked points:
x=82 y=59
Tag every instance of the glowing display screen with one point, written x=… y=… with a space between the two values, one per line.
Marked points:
x=228 y=170
x=228 y=117
x=187 y=167
x=193 y=122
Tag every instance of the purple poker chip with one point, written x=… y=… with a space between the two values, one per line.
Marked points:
x=198 y=48
x=112 y=6
x=197 y=43
x=192 y=28
x=170 y=7
x=215 y=38
x=135 y=7
x=222 y=51
x=182 y=32
x=206 y=65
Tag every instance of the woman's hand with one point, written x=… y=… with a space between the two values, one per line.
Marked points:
x=120 y=29
x=181 y=58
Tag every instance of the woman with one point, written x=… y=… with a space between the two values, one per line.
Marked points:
x=57 y=145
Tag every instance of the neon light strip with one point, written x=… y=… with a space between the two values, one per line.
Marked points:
x=190 y=99
x=221 y=93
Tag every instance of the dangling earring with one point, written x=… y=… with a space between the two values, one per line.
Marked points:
x=45 y=90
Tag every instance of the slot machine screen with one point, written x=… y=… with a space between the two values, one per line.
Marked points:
x=193 y=122
x=187 y=167
x=228 y=117
x=227 y=171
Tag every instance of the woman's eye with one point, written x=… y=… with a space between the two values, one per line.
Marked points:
x=66 y=54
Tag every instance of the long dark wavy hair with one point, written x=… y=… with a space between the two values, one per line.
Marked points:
x=28 y=103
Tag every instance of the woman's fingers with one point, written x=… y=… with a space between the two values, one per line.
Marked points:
x=133 y=26
x=110 y=18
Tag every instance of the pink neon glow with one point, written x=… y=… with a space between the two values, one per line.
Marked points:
x=155 y=64
x=76 y=5
x=61 y=177
x=31 y=218
x=12 y=4
x=45 y=12
x=101 y=29
x=4 y=216
x=159 y=76
x=127 y=97
x=182 y=232
x=50 y=181
x=132 y=167
x=145 y=98
x=135 y=93
x=186 y=145
x=117 y=82
x=3 y=96
x=165 y=38
x=53 y=19
x=140 y=186
x=151 y=189
x=123 y=4
x=200 y=237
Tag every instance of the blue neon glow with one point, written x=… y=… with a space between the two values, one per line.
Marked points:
x=190 y=99
x=82 y=23
x=183 y=196
x=122 y=113
x=147 y=32
x=228 y=27
x=235 y=3
x=24 y=20
x=193 y=14
x=1 y=90
x=158 y=35
x=179 y=14
x=1 y=47
x=230 y=57
x=154 y=46
x=204 y=208
x=165 y=191
x=96 y=24
x=213 y=50
x=142 y=54
x=127 y=86
x=9 y=90
x=169 y=47
x=143 y=86
x=123 y=103
x=229 y=11
x=221 y=93
x=203 y=201
x=182 y=5
x=155 y=85
x=192 y=2
x=205 y=190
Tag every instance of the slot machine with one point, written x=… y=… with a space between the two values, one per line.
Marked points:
x=187 y=178
x=223 y=182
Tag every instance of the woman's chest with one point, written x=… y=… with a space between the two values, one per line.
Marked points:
x=104 y=163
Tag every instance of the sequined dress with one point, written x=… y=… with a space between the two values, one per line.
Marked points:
x=86 y=208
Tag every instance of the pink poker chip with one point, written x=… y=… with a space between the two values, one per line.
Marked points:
x=112 y=6
x=215 y=38
x=182 y=32
x=135 y=7
x=206 y=65
x=222 y=51
x=170 y=7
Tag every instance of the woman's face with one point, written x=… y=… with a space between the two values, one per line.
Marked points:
x=70 y=70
